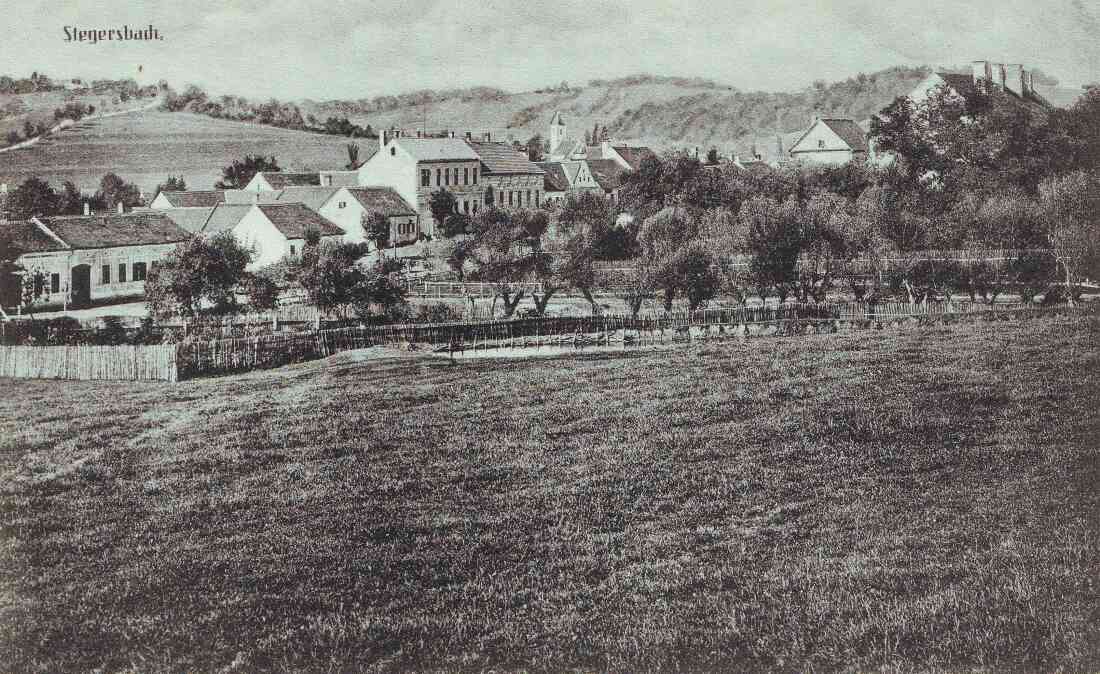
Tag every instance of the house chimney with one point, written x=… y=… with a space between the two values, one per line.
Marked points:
x=488 y=137
x=382 y=139
x=87 y=209
x=605 y=149
x=1014 y=80
x=419 y=133
x=450 y=134
x=981 y=71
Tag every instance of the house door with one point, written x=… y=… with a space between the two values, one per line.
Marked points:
x=81 y=285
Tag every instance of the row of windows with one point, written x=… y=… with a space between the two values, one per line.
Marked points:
x=516 y=198
x=105 y=274
x=448 y=176
x=406 y=228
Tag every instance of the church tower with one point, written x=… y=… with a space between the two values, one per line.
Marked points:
x=557 y=131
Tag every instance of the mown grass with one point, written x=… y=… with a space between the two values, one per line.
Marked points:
x=906 y=500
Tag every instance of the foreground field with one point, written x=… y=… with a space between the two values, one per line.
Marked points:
x=908 y=500
x=145 y=148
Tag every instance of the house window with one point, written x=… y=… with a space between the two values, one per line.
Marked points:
x=425 y=177
x=465 y=206
x=538 y=200
x=466 y=176
x=55 y=283
x=122 y=273
x=475 y=206
x=139 y=271
x=292 y=251
x=343 y=204
x=528 y=198
x=475 y=175
x=393 y=152
x=438 y=177
x=105 y=274
x=821 y=145
x=511 y=194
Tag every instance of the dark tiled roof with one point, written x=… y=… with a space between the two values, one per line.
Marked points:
x=607 y=172
x=28 y=237
x=191 y=219
x=195 y=199
x=554 y=180
x=279 y=181
x=437 y=149
x=633 y=155
x=111 y=231
x=293 y=220
x=500 y=158
x=849 y=132
x=565 y=147
x=225 y=217
x=383 y=199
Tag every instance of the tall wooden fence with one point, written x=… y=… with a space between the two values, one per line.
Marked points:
x=130 y=363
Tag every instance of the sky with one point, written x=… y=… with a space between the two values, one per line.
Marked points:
x=295 y=49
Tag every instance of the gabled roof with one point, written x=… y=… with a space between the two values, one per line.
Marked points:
x=111 y=231
x=845 y=129
x=194 y=198
x=191 y=219
x=437 y=149
x=279 y=180
x=607 y=172
x=554 y=179
x=225 y=217
x=294 y=220
x=633 y=155
x=566 y=147
x=382 y=199
x=312 y=197
x=570 y=169
x=500 y=158
x=27 y=237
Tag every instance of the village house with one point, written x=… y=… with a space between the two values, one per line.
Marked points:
x=607 y=173
x=830 y=142
x=511 y=179
x=555 y=184
x=87 y=258
x=270 y=181
x=274 y=230
x=416 y=167
x=188 y=199
x=347 y=206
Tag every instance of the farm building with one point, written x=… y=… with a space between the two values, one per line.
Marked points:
x=94 y=257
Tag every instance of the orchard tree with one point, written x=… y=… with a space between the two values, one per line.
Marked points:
x=199 y=275
x=376 y=229
x=114 y=191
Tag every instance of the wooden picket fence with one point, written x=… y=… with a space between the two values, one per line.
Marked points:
x=127 y=363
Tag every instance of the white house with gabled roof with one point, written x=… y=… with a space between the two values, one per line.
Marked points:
x=830 y=142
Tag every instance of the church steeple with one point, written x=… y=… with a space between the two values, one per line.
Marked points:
x=557 y=131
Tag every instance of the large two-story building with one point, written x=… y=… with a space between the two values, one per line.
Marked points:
x=511 y=179
x=416 y=167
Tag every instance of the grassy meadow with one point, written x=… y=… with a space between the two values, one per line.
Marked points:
x=146 y=147
x=897 y=500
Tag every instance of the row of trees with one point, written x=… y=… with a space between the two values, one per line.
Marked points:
x=36 y=197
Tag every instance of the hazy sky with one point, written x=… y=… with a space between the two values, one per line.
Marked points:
x=347 y=49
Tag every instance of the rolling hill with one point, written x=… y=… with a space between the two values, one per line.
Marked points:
x=145 y=147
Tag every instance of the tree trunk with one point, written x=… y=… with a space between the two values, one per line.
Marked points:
x=540 y=303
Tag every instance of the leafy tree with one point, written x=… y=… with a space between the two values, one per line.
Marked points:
x=263 y=291
x=241 y=171
x=534 y=148
x=456 y=224
x=504 y=248
x=173 y=184
x=376 y=229
x=456 y=255
x=661 y=237
x=199 y=275
x=33 y=197
x=70 y=201
x=442 y=203
x=775 y=242
x=114 y=191
x=585 y=223
x=697 y=275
